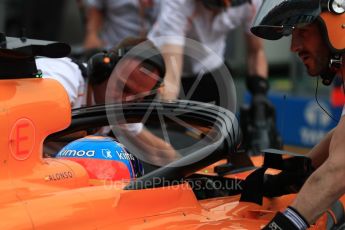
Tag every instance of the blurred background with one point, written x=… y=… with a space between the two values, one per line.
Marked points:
x=300 y=119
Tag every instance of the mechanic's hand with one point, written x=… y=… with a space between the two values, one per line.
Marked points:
x=258 y=126
x=169 y=91
x=286 y=182
x=92 y=41
x=290 y=219
x=258 y=120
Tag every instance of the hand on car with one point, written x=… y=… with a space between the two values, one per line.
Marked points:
x=168 y=91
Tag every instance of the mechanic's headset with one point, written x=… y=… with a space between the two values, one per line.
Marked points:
x=333 y=27
x=101 y=65
x=222 y=4
x=334 y=6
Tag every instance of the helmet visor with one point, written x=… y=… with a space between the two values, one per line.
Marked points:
x=278 y=18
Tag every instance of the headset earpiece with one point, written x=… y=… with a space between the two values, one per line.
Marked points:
x=334 y=6
x=337 y=6
x=100 y=66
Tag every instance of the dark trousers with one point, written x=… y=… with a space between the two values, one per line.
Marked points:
x=214 y=87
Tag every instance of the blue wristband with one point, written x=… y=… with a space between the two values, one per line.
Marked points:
x=296 y=218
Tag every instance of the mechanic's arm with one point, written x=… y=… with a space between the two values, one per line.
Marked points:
x=327 y=183
x=173 y=58
x=162 y=152
x=257 y=62
x=94 y=21
x=158 y=151
x=319 y=152
x=168 y=34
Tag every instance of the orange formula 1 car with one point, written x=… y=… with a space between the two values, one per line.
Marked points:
x=51 y=193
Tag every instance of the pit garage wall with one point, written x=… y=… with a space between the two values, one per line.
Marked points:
x=300 y=120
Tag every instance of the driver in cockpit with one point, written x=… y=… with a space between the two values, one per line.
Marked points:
x=134 y=78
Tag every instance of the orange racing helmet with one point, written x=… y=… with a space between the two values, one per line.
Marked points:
x=278 y=18
x=103 y=158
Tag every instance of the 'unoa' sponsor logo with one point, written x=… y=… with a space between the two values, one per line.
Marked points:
x=75 y=153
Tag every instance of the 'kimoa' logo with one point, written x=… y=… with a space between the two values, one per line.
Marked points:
x=75 y=153
x=124 y=155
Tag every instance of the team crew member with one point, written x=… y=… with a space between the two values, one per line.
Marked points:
x=68 y=74
x=209 y=25
x=318 y=37
x=120 y=89
x=108 y=22
x=208 y=22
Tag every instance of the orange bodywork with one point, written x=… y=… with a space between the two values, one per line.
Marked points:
x=43 y=193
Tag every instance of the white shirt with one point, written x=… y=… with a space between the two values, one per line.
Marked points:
x=180 y=19
x=122 y=18
x=68 y=74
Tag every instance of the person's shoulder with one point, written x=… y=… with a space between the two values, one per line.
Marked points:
x=178 y=3
x=51 y=61
x=256 y=3
x=53 y=66
x=178 y=7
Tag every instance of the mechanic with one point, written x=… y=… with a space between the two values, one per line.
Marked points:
x=129 y=88
x=208 y=22
x=318 y=37
x=108 y=22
